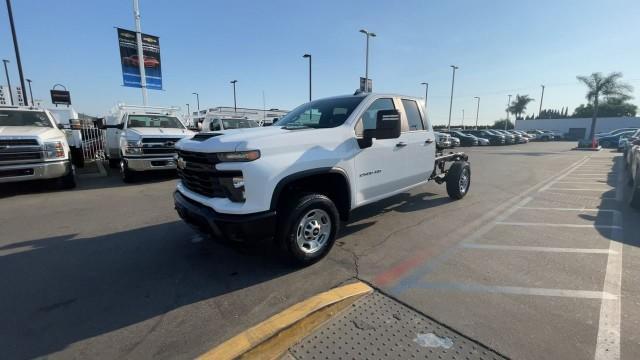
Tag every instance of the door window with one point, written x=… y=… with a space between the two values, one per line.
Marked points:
x=215 y=125
x=368 y=119
x=413 y=115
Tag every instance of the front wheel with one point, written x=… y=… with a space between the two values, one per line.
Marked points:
x=127 y=174
x=634 y=200
x=605 y=144
x=458 y=180
x=308 y=228
x=69 y=180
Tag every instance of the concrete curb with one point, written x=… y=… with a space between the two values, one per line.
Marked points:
x=271 y=338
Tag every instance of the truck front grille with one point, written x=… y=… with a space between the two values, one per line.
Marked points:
x=200 y=175
x=159 y=146
x=18 y=142
x=158 y=151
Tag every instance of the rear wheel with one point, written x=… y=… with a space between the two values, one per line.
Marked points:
x=308 y=228
x=605 y=144
x=458 y=180
x=634 y=200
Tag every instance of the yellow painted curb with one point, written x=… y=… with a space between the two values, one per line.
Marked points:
x=272 y=337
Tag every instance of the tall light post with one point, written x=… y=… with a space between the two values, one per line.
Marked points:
x=30 y=92
x=366 y=59
x=477 y=110
x=426 y=94
x=453 y=80
x=15 y=47
x=462 y=119
x=235 y=106
x=143 y=75
x=541 y=97
x=309 y=57
x=6 y=72
x=197 y=100
x=506 y=123
x=188 y=109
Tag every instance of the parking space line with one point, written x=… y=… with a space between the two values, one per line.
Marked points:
x=571 y=170
x=535 y=249
x=584 y=182
x=595 y=226
x=579 y=189
x=608 y=343
x=517 y=290
x=570 y=209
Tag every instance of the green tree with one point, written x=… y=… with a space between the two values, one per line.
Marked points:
x=606 y=87
x=499 y=124
x=519 y=105
x=613 y=107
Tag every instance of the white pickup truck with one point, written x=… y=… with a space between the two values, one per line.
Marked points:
x=33 y=147
x=295 y=181
x=143 y=138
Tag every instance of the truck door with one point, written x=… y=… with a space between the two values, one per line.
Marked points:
x=420 y=143
x=380 y=169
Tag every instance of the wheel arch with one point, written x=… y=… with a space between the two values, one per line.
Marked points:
x=332 y=182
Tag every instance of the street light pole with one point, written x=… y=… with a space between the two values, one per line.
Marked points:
x=366 y=59
x=506 y=123
x=453 y=80
x=541 y=97
x=6 y=72
x=235 y=107
x=143 y=75
x=462 y=119
x=309 y=57
x=15 y=46
x=197 y=100
x=30 y=92
x=477 y=110
x=426 y=94
x=188 y=110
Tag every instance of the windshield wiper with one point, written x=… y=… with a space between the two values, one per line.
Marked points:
x=296 y=127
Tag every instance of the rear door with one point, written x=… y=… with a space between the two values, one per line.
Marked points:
x=420 y=142
x=380 y=169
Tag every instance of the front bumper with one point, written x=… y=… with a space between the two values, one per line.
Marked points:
x=237 y=228
x=151 y=163
x=35 y=171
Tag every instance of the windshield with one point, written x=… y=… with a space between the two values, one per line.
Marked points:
x=154 y=121
x=24 y=118
x=238 y=123
x=324 y=113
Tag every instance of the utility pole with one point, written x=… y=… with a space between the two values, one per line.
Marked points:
x=6 y=72
x=30 y=92
x=541 y=97
x=235 y=108
x=15 y=46
x=366 y=59
x=197 y=100
x=188 y=110
x=477 y=110
x=506 y=123
x=309 y=57
x=426 y=94
x=462 y=119
x=143 y=75
x=453 y=80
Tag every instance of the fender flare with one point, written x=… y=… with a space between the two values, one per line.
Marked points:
x=277 y=191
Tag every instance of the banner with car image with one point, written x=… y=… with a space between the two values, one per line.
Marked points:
x=131 y=62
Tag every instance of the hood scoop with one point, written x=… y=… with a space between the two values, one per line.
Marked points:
x=205 y=136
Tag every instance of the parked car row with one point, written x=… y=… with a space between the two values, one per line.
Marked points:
x=481 y=137
x=631 y=151
x=614 y=139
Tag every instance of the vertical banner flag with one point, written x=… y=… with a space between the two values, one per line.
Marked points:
x=131 y=62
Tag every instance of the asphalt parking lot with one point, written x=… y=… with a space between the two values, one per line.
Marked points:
x=540 y=260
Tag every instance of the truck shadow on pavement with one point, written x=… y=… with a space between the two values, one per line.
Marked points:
x=64 y=289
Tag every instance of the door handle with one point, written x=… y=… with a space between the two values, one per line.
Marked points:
x=428 y=141
x=401 y=144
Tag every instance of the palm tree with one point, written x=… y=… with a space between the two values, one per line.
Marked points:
x=519 y=105
x=608 y=87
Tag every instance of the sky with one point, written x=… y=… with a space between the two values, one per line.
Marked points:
x=501 y=48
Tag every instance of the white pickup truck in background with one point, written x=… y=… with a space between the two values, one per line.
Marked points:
x=295 y=181
x=143 y=138
x=33 y=147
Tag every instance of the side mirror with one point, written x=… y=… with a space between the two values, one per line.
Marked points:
x=100 y=123
x=387 y=127
x=60 y=126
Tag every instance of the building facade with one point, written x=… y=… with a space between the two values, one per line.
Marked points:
x=16 y=93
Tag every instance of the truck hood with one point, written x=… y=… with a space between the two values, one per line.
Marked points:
x=31 y=131
x=160 y=132
x=260 y=138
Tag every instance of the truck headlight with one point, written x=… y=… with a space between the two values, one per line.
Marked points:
x=53 y=150
x=133 y=148
x=239 y=156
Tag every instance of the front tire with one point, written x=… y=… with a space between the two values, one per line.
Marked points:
x=605 y=144
x=458 y=180
x=308 y=228
x=634 y=200
x=68 y=181
x=127 y=174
